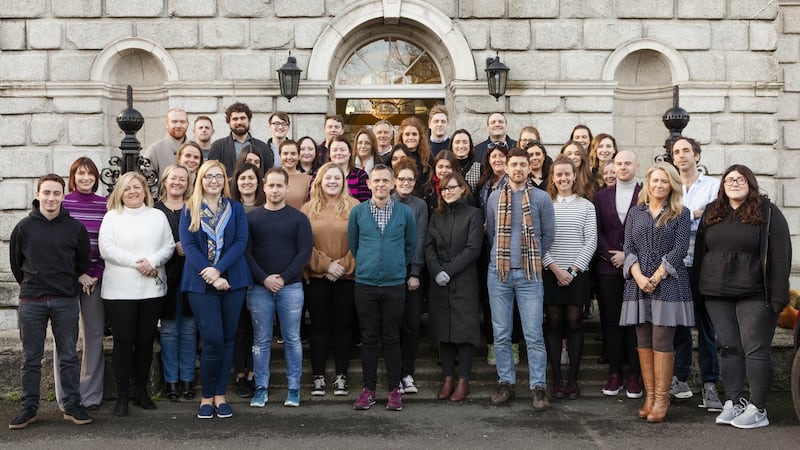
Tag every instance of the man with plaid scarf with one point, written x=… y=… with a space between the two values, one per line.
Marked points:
x=521 y=228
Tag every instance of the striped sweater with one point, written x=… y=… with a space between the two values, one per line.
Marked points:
x=576 y=233
x=89 y=210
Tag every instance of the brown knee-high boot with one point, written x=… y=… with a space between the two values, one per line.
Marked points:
x=648 y=377
x=663 y=363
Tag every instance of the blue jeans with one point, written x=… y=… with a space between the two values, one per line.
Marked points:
x=178 y=345
x=62 y=312
x=216 y=314
x=263 y=304
x=530 y=300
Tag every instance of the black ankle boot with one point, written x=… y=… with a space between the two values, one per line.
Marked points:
x=121 y=407
x=142 y=399
x=188 y=390
x=172 y=392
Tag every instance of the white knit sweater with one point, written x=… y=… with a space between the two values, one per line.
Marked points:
x=129 y=235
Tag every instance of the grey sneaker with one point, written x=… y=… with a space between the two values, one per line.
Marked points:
x=340 y=386
x=731 y=411
x=318 y=389
x=752 y=417
x=710 y=398
x=680 y=389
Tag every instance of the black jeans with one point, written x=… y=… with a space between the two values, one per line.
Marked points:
x=243 y=343
x=745 y=329
x=706 y=345
x=447 y=353
x=409 y=331
x=331 y=306
x=134 y=324
x=380 y=314
x=620 y=341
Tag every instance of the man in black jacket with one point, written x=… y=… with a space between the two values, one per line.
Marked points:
x=49 y=252
x=226 y=149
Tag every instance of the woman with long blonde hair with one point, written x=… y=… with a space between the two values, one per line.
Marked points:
x=329 y=277
x=213 y=231
x=657 y=296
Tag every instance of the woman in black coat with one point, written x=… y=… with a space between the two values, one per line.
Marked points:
x=455 y=235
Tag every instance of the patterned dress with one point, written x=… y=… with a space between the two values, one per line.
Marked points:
x=671 y=302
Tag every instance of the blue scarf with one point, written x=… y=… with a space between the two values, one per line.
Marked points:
x=213 y=224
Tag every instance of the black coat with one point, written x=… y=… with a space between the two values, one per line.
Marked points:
x=224 y=150
x=453 y=245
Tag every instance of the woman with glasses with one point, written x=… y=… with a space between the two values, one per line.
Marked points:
x=444 y=163
x=461 y=146
x=742 y=260
x=452 y=248
x=213 y=231
x=601 y=151
x=404 y=182
x=366 y=150
x=135 y=242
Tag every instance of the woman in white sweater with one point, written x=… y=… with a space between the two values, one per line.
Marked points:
x=135 y=242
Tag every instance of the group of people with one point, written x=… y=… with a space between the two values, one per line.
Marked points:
x=362 y=233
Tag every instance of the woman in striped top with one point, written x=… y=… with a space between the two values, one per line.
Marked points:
x=566 y=280
x=88 y=208
x=342 y=155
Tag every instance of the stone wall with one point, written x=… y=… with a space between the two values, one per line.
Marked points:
x=609 y=64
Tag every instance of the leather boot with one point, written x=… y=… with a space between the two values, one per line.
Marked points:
x=121 y=407
x=462 y=390
x=172 y=392
x=646 y=363
x=188 y=390
x=142 y=399
x=446 y=389
x=663 y=363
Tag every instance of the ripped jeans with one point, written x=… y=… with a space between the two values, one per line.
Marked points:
x=263 y=304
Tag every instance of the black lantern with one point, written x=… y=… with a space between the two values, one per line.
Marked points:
x=675 y=120
x=496 y=76
x=289 y=78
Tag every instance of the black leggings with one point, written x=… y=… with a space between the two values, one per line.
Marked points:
x=657 y=337
x=134 y=324
x=447 y=353
x=243 y=343
x=331 y=306
x=619 y=341
x=565 y=319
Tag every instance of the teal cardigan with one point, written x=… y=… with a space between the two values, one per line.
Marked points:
x=382 y=258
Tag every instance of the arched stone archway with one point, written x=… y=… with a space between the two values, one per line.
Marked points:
x=679 y=72
x=108 y=59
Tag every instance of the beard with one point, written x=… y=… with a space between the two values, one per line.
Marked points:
x=240 y=130
x=177 y=134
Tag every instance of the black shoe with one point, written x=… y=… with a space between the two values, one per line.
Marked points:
x=25 y=417
x=142 y=399
x=121 y=407
x=172 y=392
x=92 y=407
x=243 y=388
x=77 y=414
x=188 y=390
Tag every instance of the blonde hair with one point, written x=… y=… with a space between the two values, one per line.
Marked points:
x=673 y=206
x=196 y=199
x=162 y=190
x=115 y=199
x=344 y=202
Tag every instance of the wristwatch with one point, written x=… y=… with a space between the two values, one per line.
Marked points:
x=572 y=272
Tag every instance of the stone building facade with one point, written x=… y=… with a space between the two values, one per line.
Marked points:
x=609 y=64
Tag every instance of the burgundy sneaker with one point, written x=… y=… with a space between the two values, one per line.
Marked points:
x=614 y=385
x=365 y=400
x=634 y=389
x=395 y=402
x=557 y=391
x=572 y=391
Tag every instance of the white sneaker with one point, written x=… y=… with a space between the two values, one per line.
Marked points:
x=319 y=386
x=752 y=417
x=340 y=386
x=731 y=411
x=407 y=385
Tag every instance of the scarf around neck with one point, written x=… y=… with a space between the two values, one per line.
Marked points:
x=531 y=259
x=213 y=224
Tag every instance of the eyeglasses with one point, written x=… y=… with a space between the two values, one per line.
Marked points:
x=450 y=188
x=493 y=145
x=213 y=177
x=738 y=181
x=279 y=124
x=405 y=180
x=532 y=143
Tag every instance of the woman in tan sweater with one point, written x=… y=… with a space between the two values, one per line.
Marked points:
x=298 y=181
x=330 y=276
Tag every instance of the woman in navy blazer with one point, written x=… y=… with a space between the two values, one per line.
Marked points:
x=213 y=231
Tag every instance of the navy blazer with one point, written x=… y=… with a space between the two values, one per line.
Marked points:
x=232 y=263
x=610 y=231
x=224 y=151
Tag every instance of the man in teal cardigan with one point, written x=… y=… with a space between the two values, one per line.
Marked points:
x=382 y=235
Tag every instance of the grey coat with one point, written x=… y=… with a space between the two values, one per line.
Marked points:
x=453 y=245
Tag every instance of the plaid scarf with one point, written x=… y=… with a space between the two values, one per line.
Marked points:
x=531 y=260
x=214 y=226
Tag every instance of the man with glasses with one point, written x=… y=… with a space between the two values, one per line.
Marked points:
x=226 y=149
x=279 y=126
x=497 y=126
x=698 y=191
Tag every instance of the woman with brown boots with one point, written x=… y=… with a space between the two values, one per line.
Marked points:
x=657 y=293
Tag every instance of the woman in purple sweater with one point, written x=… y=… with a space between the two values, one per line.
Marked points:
x=88 y=208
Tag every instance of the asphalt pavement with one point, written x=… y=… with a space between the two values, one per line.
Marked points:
x=592 y=421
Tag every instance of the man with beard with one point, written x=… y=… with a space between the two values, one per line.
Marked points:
x=162 y=152
x=203 y=132
x=226 y=149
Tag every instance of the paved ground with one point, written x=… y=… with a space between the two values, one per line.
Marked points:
x=589 y=422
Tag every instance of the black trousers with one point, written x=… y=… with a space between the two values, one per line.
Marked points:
x=380 y=314
x=134 y=323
